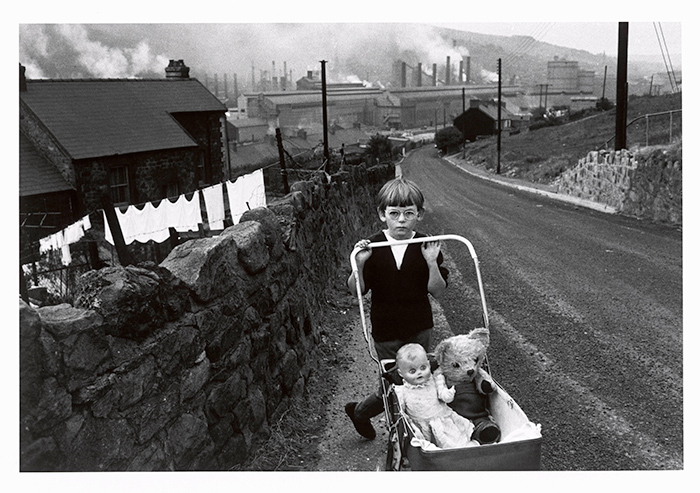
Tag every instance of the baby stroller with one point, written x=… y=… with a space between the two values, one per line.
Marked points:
x=520 y=446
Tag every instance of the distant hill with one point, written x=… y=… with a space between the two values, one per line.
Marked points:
x=525 y=59
x=541 y=155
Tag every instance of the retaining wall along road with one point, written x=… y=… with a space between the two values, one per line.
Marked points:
x=186 y=365
x=647 y=183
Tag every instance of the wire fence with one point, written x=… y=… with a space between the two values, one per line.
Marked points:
x=652 y=129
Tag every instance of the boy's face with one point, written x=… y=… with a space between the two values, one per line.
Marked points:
x=400 y=221
x=416 y=370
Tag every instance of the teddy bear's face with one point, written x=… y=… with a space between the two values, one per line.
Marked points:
x=460 y=357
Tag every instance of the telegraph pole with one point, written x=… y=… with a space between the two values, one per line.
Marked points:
x=283 y=168
x=621 y=112
x=326 y=155
x=498 y=131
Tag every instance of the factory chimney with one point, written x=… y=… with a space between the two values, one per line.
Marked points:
x=403 y=74
x=447 y=71
x=434 y=74
x=419 y=81
x=468 y=68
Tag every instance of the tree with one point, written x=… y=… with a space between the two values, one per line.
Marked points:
x=378 y=147
x=448 y=138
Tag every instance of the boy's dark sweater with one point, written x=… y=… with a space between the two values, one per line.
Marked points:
x=400 y=304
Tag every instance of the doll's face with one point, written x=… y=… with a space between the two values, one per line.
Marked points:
x=415 y=370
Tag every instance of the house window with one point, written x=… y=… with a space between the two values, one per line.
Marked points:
x=119 y=184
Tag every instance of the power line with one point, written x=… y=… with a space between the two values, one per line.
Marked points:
x=662 y=44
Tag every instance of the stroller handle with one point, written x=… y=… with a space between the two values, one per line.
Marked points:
x=424 y=239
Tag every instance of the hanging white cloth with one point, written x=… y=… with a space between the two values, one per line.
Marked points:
x=67 y=236
x=247 y=192
x=183 y=214
x=153 y=223
x=214 y=202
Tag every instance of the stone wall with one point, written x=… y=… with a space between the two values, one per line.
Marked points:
x=187 y=364
x=646 y=183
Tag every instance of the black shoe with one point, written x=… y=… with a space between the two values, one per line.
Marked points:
x=364 y=428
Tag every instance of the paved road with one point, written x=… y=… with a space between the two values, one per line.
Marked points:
x=585 y=310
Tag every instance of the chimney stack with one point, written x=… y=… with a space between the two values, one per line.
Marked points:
x=434 y=74
x=461 y=71
x=466 y=78
x=447 y=71
x=403 y=74
x=22 y=78
x=419 y=82
x=177 y=69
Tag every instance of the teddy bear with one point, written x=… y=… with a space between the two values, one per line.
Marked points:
x=467 y=384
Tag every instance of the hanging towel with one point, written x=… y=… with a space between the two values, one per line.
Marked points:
x=214 y=202
x=183 y=214
x=247 y=192
x=153 y=222
x=139 y=225
x=67 y=236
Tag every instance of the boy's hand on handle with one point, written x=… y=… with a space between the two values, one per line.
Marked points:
x=362 y=256
x=431 y=250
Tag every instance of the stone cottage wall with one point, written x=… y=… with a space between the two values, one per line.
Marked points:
x=647 y=183
x=187 y=364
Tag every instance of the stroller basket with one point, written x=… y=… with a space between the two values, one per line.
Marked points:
x=521 y=440
x=506 y=455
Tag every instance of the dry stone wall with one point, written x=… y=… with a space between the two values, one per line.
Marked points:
x=186 y=365
x=647 y=183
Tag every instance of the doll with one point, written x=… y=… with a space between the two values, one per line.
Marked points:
x=419 y=399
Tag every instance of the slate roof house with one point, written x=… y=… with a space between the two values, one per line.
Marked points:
x=482 y=119
x=136 y=140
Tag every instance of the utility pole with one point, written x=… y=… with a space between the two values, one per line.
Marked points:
x=498 y=131
x=621 y=112
x=326 y=154
x=605 y=78
x=280 y=149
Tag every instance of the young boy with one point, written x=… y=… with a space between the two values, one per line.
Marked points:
x=400 y=278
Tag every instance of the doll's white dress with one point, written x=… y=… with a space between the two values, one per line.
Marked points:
x=437 y=422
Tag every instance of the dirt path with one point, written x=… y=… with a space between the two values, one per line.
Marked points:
x=340 y=447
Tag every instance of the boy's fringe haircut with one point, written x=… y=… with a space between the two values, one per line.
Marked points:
x=400 y=192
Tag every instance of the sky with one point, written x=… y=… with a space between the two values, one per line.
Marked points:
x=549 y=21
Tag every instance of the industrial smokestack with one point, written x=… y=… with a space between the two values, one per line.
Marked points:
x=274 y=76
x=22 y=78
x=434 y=74
x=461 y=71
x=284 y=79
x=466 y=78
x=403 y=74
x=447 y=71
x=419 y=80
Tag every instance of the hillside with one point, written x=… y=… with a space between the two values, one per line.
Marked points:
x=541 y=155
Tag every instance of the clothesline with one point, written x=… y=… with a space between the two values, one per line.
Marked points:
x=153 y=222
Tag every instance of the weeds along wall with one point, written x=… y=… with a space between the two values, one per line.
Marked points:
x=646 y=183
x=187 y=364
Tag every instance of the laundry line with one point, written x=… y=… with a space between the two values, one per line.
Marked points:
x=154 y=222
